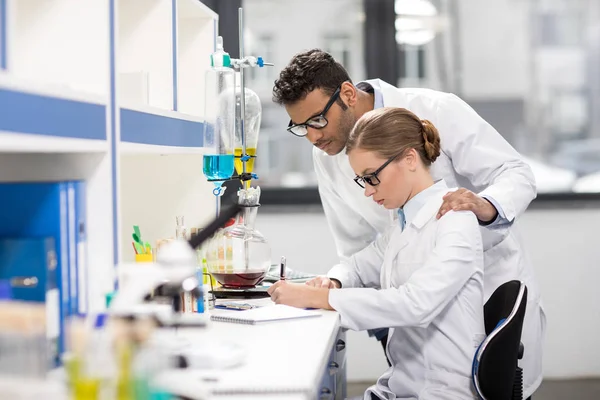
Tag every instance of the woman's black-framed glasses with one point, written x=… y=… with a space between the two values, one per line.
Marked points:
x=317 y=121
x=372 y=178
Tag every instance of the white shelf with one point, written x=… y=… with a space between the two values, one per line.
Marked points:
x=46 y=118
x=148 y=128
x=162 y=113
x=63 y=42
x=145 y=52
x=128 y=148
x=196 y=30
x=11 y=142
x=47 y=167
x=15 y=82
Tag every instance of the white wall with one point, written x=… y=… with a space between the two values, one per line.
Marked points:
x=565 y=250
x=495 y=48
x=304 y=26
x=563 y=245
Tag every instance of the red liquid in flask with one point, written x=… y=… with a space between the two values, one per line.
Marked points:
x=240 y=280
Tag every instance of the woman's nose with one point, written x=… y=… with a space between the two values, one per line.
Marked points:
x=369 y=190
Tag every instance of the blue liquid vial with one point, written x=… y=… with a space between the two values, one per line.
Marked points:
x=218 y=166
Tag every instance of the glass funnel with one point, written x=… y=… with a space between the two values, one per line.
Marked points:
x=239 y=256
x=253 y=115
x=218 y=162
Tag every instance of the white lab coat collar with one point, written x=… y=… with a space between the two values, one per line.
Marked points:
x=423 y=213
x=414 y=205
x=377 y=95
x=389 y=92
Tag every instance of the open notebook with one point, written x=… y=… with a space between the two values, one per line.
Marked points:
x=277 y=312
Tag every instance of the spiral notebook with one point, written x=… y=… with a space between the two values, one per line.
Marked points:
x=278 y=312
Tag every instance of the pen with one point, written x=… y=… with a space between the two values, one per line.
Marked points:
x=282 y=270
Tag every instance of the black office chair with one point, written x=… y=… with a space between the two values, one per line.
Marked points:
x=496 y=373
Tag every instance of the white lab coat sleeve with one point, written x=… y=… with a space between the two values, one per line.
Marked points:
x=479 y=153
x=456 y=257
x=351 y=233
x=364 y=267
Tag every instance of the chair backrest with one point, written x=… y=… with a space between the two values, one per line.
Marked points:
x=495 y=362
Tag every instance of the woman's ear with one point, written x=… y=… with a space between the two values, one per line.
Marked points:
x=348 y=94
x=411 y=159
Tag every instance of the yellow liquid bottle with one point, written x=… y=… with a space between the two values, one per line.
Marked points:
x=251 y=151
x=125 y=389
x=82 y=387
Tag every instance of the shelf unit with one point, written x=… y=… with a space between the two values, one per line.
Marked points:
x=90 y=90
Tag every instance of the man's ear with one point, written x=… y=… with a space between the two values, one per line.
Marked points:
x=348 y=94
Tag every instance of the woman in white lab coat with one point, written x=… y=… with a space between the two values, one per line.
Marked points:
x=431 y=297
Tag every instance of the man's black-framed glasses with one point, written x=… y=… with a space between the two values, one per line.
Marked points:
x=372 y=178
x=318 y=121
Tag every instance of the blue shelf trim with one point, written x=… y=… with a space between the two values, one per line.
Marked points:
x=141 y=127
x=3 y=33
x=113 y=131
x=174 y=35
x=45 y=115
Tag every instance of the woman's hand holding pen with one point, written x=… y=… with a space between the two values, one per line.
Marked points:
x=299 y=295
x=323 y=282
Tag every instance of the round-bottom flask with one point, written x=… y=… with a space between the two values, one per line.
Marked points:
x=239 y=256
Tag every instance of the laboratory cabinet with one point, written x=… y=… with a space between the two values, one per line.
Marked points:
x=109 y=92
x=333 y=385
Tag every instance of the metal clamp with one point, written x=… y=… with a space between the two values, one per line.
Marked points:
x=245 y=157
x=245 y=176
x=340 y=345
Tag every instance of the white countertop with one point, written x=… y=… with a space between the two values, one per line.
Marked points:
x=281 y=357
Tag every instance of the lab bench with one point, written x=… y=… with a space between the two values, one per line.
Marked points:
x=288 y=360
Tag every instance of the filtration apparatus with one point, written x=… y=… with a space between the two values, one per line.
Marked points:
x=238 y=256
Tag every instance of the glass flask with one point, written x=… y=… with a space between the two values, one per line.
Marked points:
x=219 y=126
x=239 y=256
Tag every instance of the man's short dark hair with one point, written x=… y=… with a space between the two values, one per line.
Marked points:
x=307 y=71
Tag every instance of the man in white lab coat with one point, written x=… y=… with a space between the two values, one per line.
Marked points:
x=495 y=183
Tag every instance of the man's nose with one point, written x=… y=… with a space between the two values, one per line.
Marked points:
x=314 y=135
